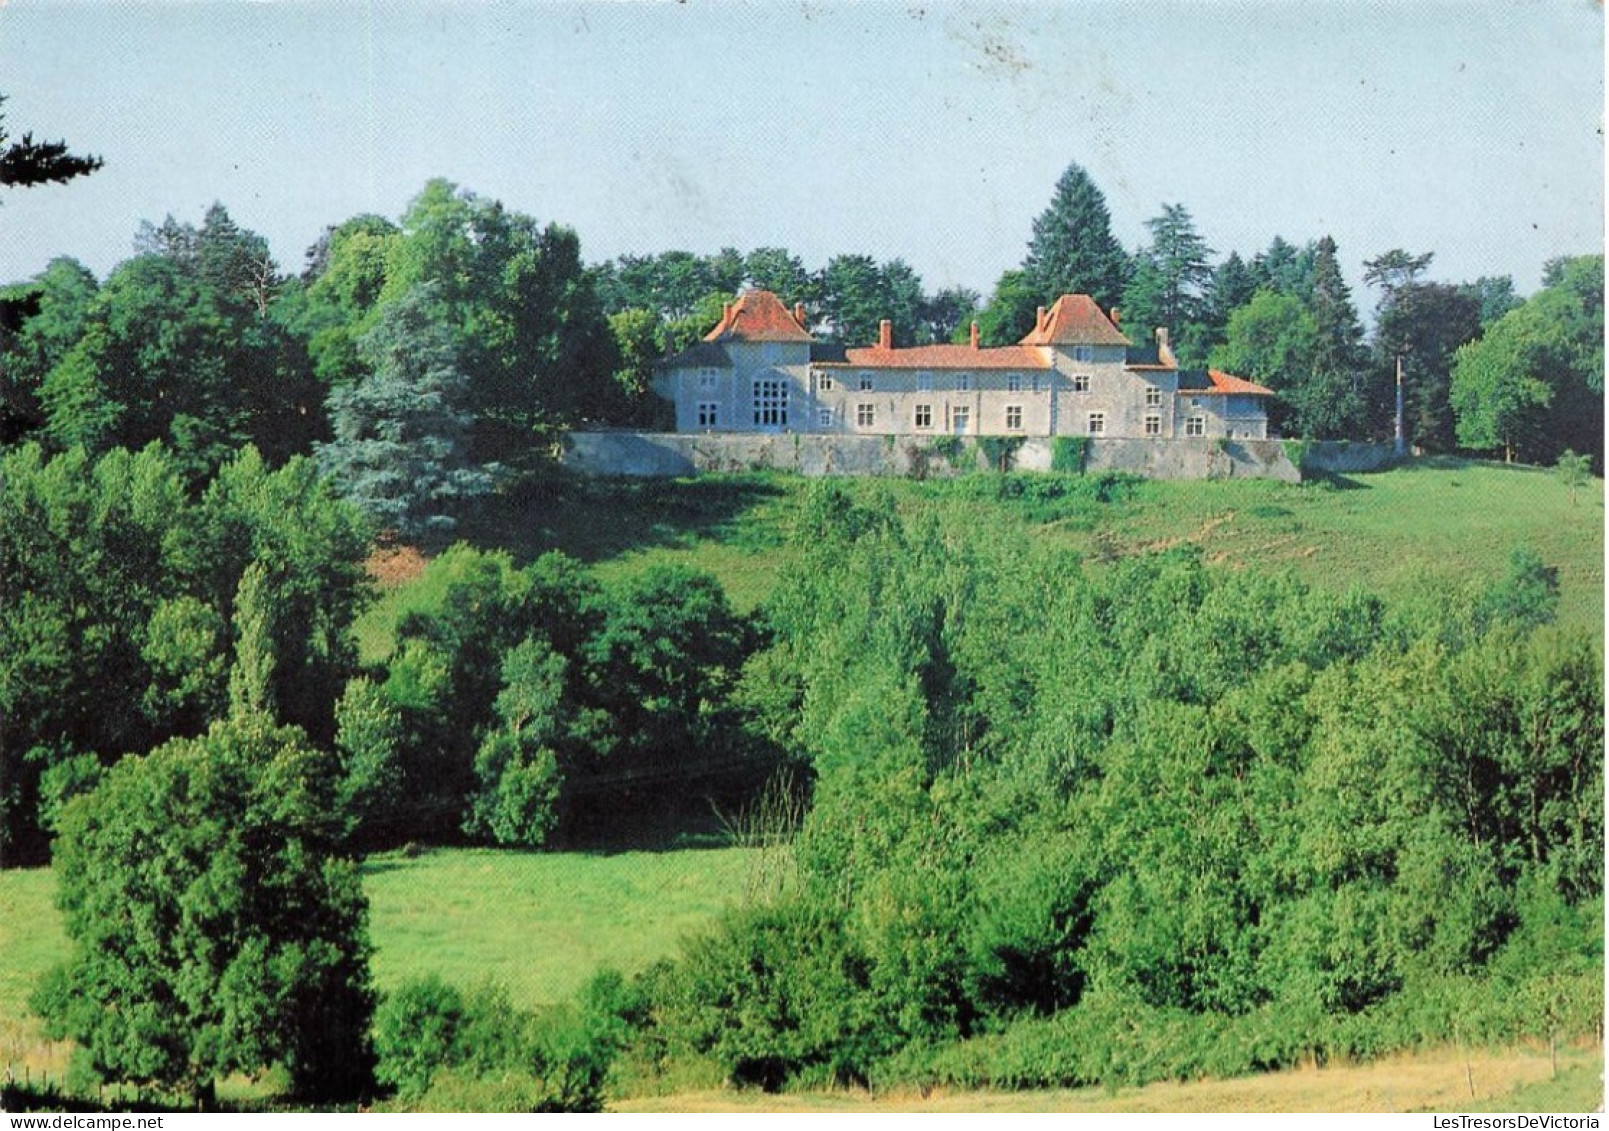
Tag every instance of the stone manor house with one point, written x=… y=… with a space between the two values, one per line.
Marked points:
x=1076 y=374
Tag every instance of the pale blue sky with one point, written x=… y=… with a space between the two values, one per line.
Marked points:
x=926 y=130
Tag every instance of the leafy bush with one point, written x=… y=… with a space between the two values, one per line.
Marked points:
x=416 y=1034
x=1067 y=454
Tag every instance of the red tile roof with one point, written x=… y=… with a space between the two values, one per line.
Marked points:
x=946 y=357
x=758 y=316
x=1229 y=383
x=1075 y=320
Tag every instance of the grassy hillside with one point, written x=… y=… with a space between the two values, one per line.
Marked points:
x=1430 y=524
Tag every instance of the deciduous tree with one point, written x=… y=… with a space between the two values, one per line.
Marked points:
x=213 y=926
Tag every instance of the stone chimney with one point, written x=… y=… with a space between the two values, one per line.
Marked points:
x=726 y=314
x=1039 y=321
x=1162 y=337
x=885 y=335
x=974 y=335
x=799 y=315
x=1117 y=317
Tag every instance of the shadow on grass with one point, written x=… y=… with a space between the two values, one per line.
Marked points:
x=1335 y=481
x=596 y=519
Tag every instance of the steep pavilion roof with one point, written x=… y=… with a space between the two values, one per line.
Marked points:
x=758 y=316
x=1075 y=320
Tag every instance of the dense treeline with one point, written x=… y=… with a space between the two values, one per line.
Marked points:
x=522 y=703
x=517 y=701
x=1074 y=824
x=130 y=599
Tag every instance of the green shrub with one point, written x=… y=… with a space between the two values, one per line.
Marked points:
x=1067 y=454
x=416 y=1033
x=1000 y=451
x=948 y=448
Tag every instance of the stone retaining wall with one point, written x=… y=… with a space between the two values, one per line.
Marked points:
x=664 y=455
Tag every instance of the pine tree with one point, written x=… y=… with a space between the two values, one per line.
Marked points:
x=1073 y=250
x=27 y=162
x=400 y=434
x=1334 y=394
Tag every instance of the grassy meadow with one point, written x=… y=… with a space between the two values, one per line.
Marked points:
x=1431 y=524
x=541 y=924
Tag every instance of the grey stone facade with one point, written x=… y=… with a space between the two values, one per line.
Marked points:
x=760 y=371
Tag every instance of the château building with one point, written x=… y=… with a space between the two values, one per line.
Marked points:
x=1076 y=374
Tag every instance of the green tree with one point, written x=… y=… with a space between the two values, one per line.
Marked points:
x=779 y=271
x=857 y=294
x=1332 y=403
x=1422 y=324
x=43 y=320
x=517 y=766
x=1171 y=278
x=400 y=451
x=213 y=926
x=638 y=342
x=1010 y=314
x=1574 y=471
x=1072 y=250
x=948 y=314
x=1533 y=384
x=26 y=162
x=179 y=346
x=1272 y=340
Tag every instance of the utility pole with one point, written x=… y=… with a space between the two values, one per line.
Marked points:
x=1402 y=431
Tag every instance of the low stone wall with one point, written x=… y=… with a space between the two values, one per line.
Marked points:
x=664 y=455
x=1342 y=456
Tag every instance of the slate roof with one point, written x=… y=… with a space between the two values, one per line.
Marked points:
x=1075 y=320
x=703 y=355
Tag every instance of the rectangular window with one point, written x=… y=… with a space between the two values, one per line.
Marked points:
x=1080 y=382
x=1195 y=426
x=1083 y=353
x=1097 y=423
x=824 y=383
x=924 y=416
x=867 y=384
x=963 y=382
x=924 y=382
x=1013 y=418
x=770 y=404
x=708 y=415
x=865 y=415
x=1013 y=383
x=823 y=418
x=707 y=378
x=960 y=419
x=1153 y=425
x=1153 y=397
